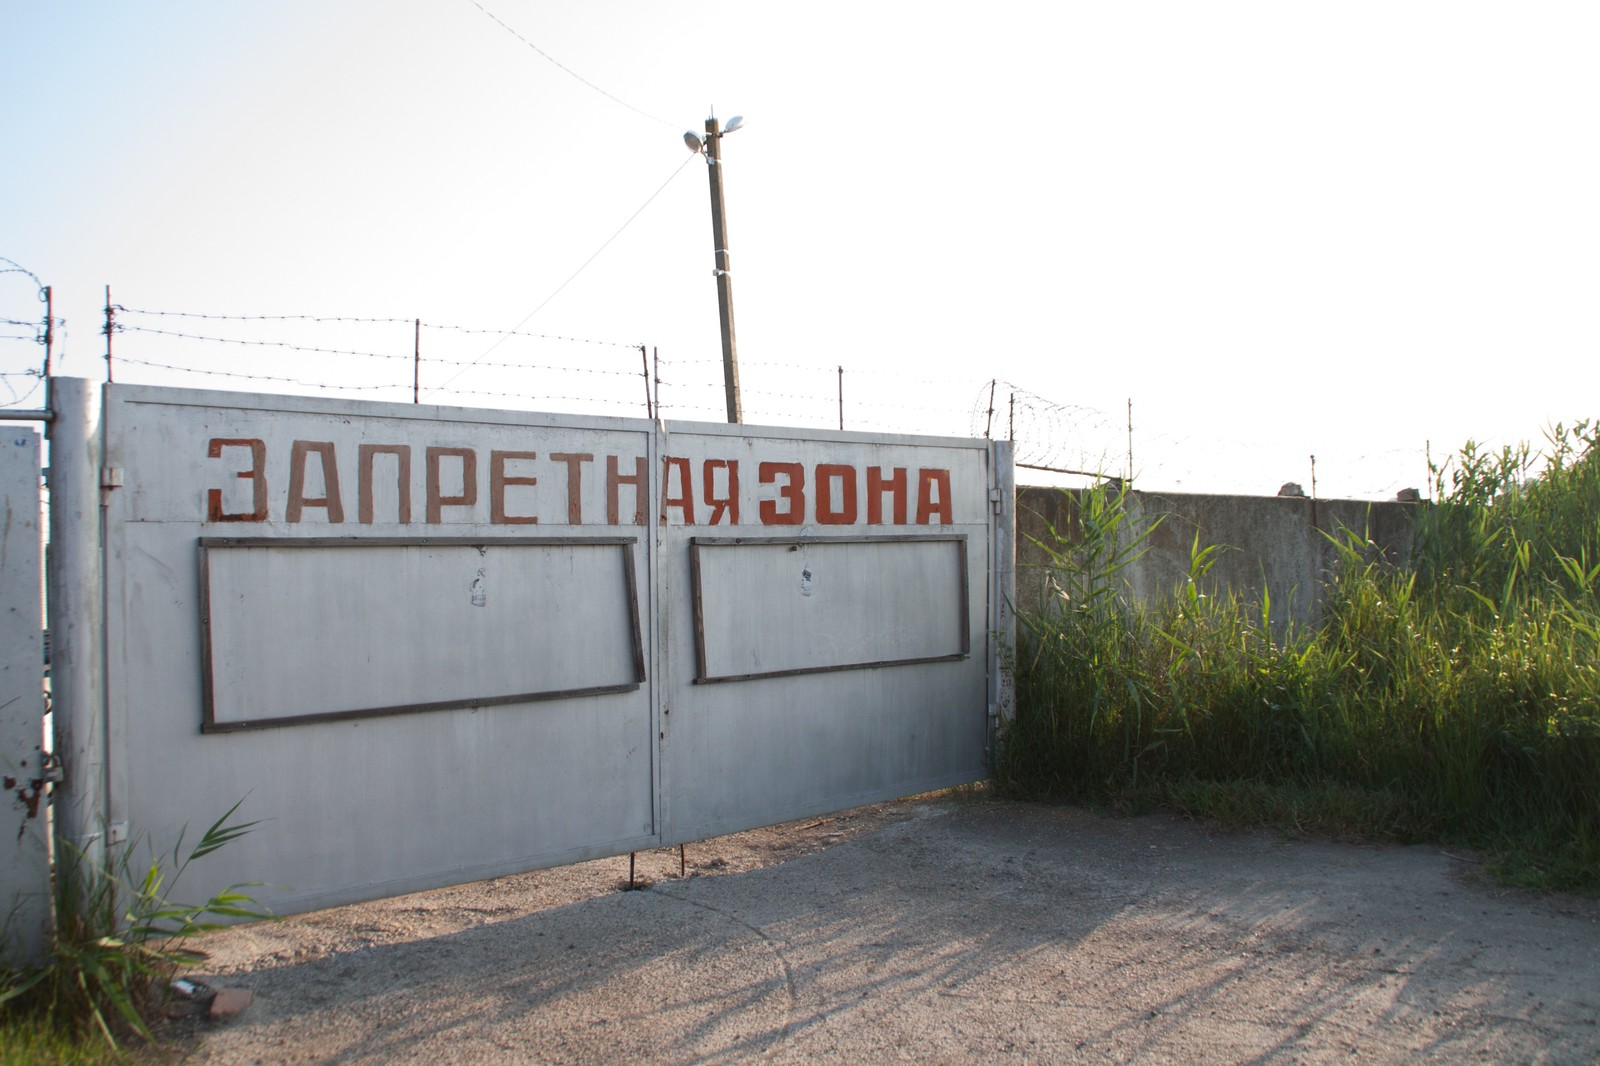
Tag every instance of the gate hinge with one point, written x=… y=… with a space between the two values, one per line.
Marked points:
x=111 y=477
x=997 y=500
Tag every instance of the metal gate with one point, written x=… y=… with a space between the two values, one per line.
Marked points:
x=430 y=645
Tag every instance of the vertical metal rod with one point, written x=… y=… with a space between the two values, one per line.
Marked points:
x=719 y=241
x=630 y=869
x=1314 y=493
x=989 y=425
x=49 y=349
x=655 y=374
x=1011 y=421
x=649 y=408
x=111 y=326
x=682 y=863
x=841 y=397
x=49 y=333
x=1130 y=440
x=416 y=363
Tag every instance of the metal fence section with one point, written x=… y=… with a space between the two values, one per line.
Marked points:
x=829 y=643
x=24 y=837
x=428 y=645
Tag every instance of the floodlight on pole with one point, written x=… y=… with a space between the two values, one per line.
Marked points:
x=711 y=147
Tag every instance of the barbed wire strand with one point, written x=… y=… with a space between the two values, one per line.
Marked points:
x=123 y=310
x=123 y=359
x=1047 y=433
x=122 y=327
x=18 y=268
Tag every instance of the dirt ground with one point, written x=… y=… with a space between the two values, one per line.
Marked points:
x=936 y=930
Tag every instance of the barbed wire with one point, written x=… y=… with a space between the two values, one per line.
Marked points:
x=18 y=401
x=125 y=360
x=15 y=267
x=122 y=310
x=1048 y=434
x=526 y=333
x=535 y=366
x=124 y=328
x=546 y=397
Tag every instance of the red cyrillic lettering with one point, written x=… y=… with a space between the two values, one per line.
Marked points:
x=574 y=461
x=367 y=455
x=468 y=496
x=256 y=475
x=685 y=500
x=299 y=453
x=722 y=505
x=615 y=480
x=927 y=506
x=878 y=487
x=498 y=480
x=792 y=490
x=845 y=513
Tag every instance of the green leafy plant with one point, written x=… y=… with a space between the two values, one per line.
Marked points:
x=119 y=936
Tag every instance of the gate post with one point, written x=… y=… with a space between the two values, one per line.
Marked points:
x=77 y=615
x=24 y=841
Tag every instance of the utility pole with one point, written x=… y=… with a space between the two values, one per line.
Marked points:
x=712 y=147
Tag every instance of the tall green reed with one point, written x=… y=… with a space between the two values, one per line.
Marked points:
x=1458 y=700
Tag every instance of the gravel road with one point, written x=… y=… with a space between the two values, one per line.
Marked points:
x=936 y=931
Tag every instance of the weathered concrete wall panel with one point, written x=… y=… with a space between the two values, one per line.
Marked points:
x=1273 y=544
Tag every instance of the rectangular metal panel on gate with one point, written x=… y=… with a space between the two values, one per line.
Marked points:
x=287 y=640
x=847 y=616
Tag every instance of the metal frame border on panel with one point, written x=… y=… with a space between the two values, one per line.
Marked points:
x=704 y=677
x=209 y=724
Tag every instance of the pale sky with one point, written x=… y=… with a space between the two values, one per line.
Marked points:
x=1279 y=229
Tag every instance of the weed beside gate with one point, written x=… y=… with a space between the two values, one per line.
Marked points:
x=1457 y=700
x=118 y=938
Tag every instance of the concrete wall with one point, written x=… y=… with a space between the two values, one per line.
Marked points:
x=1271 y=542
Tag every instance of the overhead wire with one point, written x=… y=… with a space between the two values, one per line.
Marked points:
x=508 y=333
x=566 y=69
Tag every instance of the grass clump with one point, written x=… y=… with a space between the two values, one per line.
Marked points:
x=118 y=939
x=1456 y=701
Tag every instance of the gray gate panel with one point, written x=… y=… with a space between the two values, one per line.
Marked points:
x=872 y=697
x=374 y=806
x=24 y=853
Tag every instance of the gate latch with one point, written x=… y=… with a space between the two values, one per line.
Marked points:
x=110 y=478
